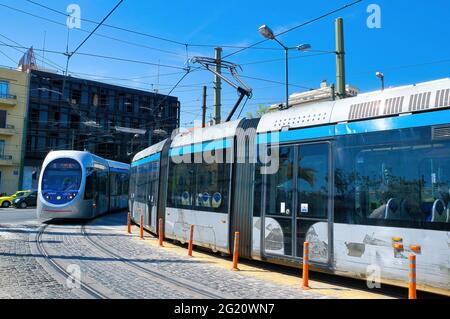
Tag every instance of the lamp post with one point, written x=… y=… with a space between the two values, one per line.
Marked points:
x=381 y=77
x=267 y=33
x=132 y=144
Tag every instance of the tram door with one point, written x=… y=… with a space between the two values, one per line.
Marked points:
x=297 y=202
x=152 y=200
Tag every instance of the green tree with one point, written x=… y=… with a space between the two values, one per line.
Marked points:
x=261 y=110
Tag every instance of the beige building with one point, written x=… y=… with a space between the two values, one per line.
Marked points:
x=13 y=109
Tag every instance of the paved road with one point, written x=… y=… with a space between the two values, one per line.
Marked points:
x=17 y=216
x=114 y=264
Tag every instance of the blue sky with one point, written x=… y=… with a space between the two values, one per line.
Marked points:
x=411 y=45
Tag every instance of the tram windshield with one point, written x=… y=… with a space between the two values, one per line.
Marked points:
x=62 y=175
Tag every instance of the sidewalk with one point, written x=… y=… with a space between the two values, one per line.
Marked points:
x=248 y=269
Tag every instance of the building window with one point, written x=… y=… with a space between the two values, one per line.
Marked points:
x=76 y=96
x=34 y=115
x=95 y=99
x=2 y=148
x=41 y=144
x=4 y=89
x=3 y=119
x=43 y=117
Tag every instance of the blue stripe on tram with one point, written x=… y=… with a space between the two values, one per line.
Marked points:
x=149 y=159
x=368 y=126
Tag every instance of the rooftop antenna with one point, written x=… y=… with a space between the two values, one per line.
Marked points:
x=210 y=64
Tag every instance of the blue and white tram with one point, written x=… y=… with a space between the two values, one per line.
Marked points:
x=80 y=185
x=352 y=177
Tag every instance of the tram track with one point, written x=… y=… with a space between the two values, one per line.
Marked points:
x=177 y=284
x=60 y=269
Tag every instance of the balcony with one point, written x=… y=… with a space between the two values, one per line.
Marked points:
x=8 y=100
x=6 y=160
x=8 y=130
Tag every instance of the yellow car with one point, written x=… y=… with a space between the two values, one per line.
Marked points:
x=6 y=201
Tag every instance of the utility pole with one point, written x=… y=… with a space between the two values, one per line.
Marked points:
x=340 y=59
x=218 y=87
x=204 y=108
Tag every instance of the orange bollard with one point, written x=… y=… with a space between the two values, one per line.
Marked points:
x=305 y=265
x=141 y=230
x=160 y=232
x=129 y=223
x=191 y=240
x=236 y=252
x=412 y=277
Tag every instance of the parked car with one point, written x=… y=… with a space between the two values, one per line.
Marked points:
x=7 y=201
x=29 y=200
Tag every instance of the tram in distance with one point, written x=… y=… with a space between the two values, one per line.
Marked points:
x=365 y=180
x=81 y=185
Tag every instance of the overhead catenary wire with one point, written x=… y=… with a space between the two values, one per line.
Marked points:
x=7 y=56
x=97 y=27
x=87 y=31
x=100 y=57
x=24 y=48
x=144 y=34
x=297 y=26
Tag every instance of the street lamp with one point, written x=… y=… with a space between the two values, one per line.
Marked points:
x=132 y=144
x=267 y=33
x=303 y=47
x=381 y=77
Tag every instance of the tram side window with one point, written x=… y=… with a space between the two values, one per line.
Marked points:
x=91 y=181
x=396 y=178
x=181 y=185
x=141 y=182
x=212 y=186
x=132 y=183
x=102 y=182
x=199 y=186
x=125 y=183
x=114 y=184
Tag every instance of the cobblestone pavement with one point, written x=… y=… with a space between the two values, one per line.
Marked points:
x=141 y=272
x=21 y=274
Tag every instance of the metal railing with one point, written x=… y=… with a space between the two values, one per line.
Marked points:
x=8 y=127
x=8 y=96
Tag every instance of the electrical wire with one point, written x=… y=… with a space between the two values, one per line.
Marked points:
x=150 y=35
x=297 y=26
x=97 y=27
x=15 y=42
x=86 y=31
x=100 y=57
